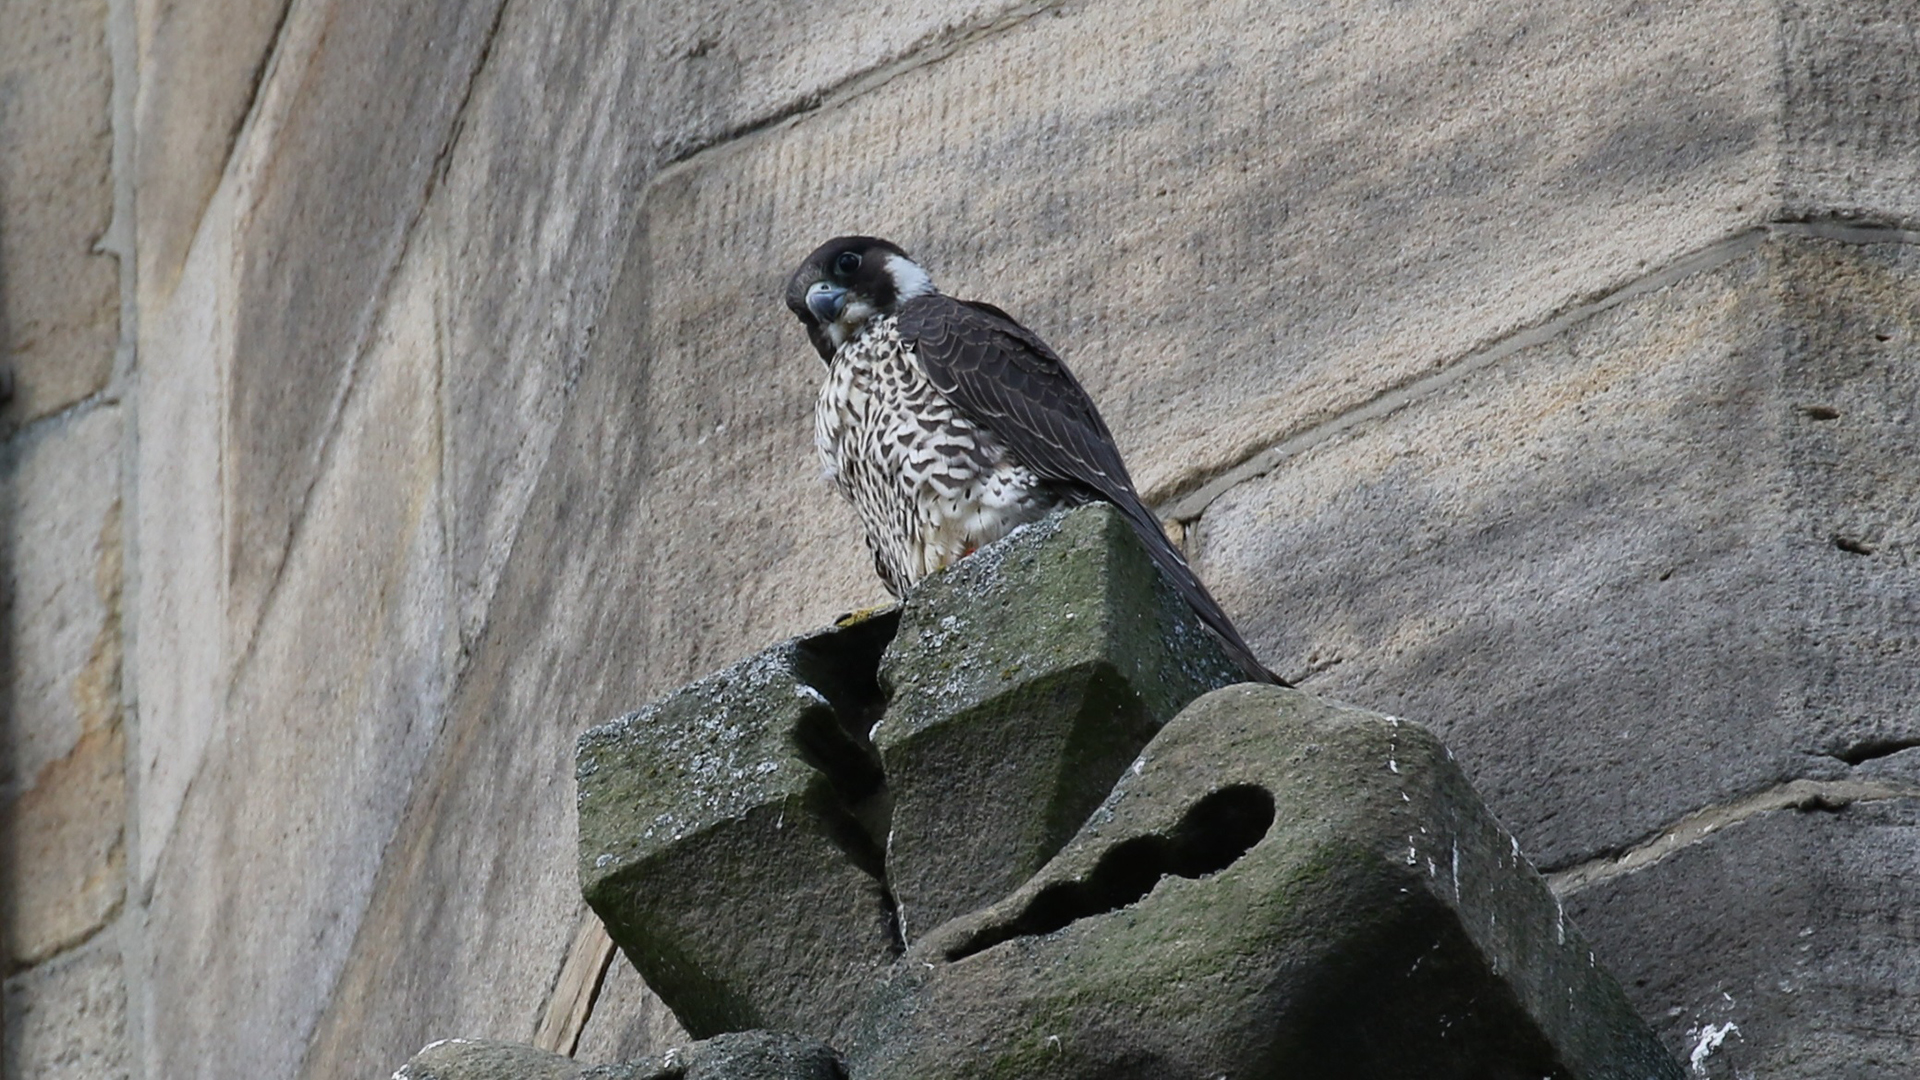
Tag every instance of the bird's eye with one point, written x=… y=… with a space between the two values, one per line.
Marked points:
x=847 y=263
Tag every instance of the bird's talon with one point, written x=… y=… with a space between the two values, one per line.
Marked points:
x=855 y=618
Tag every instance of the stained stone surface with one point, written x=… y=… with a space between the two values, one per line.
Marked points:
x=1784 y=945
x=1235 y=219
x=1280 y=886
x=66 y=1019
x=63 y=781
x=730 y=837
x=1022 y=682
x=59 y=289
x=1664 y=558
x=746 y=1055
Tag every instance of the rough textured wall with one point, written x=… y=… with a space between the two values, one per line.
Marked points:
x=63 y=419
x=1546 y=372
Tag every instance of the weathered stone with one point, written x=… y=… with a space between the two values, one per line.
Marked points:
x=1022 y=682
x=1783 y=945
x=730 y=837
x=59 y=294
x=60 y=497
x=1373 y=193
x=361 y=115
x=64 y=861
x=1668 y=556
x=325 y=727
x=745 y=1055
x=1850 y=110
x=67 y=1018
x=63 y=802
x=1280 y=886
x=486 y=1059
x=200 y=66
x=180 y=666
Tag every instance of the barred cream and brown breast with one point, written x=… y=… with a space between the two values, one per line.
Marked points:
x=929 y=484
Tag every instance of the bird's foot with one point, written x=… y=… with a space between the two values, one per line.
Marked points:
x=855 y=618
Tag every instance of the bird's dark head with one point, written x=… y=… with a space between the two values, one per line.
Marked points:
x=847 y=281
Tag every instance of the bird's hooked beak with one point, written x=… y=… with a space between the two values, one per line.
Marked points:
x=826 y=301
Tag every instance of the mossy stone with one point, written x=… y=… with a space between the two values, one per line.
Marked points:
x=1022 y=681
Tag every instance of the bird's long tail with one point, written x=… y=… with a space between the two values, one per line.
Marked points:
x=1174 y=565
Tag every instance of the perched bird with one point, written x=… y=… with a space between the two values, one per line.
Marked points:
x=947 y=424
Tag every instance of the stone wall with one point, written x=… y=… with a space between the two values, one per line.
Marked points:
x=401 y=389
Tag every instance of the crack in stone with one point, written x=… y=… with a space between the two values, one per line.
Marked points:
x=1825 y=795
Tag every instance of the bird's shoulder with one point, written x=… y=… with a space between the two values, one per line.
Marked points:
x=968 y=333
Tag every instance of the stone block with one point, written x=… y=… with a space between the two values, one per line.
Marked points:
x=363 y=107
x=60 y=533
x=747 y=1055
x=1850 y=111
x=63 y=802
x=730 y=837
x=1668 y=556
x=487 y=1059
x=65 y=861
x=66 y=1019
x=1781 y=945
x=321 y=732
x=1022 y=682
x=1350 y=198
x=1279 y=886
x=180 y=666
x=59 y=293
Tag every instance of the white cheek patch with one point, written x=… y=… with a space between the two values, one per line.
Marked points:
x=909 y=280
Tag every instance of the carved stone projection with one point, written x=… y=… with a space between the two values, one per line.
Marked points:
x=1024 y=826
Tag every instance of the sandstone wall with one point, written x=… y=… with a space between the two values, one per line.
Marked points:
x=402 y=388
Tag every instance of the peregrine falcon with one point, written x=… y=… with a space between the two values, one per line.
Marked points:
x=947 y=424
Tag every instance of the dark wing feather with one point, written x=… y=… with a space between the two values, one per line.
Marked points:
x=1007 y=380
x=1004 y=377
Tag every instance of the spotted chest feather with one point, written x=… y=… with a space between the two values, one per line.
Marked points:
x=928 y=484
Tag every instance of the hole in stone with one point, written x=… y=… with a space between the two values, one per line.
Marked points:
x=1851 y=546
x=1211 y=836
x=1868 y=750
x=1819 y=412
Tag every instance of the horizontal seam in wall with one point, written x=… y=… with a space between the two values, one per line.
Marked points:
x=925 y=52
x=1700 y=824
x=1190 y=506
